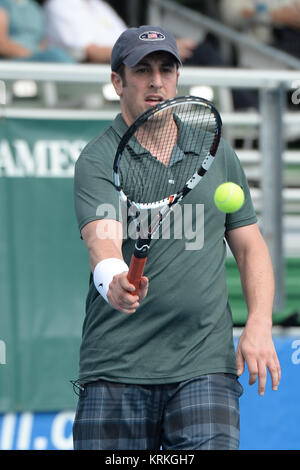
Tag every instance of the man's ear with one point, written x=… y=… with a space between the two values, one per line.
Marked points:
x=116 y=80
x=177 y=79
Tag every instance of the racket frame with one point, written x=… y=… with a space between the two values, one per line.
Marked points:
x=167 y=204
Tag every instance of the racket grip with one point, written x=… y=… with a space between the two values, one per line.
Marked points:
x=136 y=269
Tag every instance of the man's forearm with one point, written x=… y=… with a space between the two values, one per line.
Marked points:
x=256 y=271
x=10 y=48
x=97 y=54
x=257 y=280
x=103 y=239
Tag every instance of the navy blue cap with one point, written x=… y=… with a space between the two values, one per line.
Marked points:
x=135 y=43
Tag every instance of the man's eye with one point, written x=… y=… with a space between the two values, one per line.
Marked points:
x=168 y=69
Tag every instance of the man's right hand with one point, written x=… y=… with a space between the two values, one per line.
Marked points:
x=120 y=295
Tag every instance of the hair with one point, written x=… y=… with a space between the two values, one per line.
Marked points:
x=120 y=70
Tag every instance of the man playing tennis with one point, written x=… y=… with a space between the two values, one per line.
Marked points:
x=158 y=369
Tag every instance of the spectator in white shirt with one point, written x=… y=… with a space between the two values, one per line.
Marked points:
x=86 y=28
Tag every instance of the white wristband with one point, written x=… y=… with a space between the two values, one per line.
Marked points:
x=104 y=273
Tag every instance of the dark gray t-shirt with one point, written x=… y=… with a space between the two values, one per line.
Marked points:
x=183 y=328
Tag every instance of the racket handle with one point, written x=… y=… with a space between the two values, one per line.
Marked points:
x=136 y=269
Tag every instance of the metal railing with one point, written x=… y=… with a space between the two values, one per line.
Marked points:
x=271 y=122
x=164 y=12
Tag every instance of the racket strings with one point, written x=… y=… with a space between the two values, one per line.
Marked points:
x=166 y=151
x=165 y=131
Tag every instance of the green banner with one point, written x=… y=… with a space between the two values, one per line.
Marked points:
x=44 y=265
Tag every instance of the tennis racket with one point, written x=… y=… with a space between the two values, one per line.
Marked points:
x=162 y=156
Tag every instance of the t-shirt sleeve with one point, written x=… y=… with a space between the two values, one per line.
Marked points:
x=95 y=195
x=4 y=4
x=246 y=214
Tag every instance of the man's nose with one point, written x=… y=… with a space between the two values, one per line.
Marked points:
x=156 y=79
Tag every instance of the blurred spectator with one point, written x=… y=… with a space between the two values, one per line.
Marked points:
x=275 y=22
x=89 y=28
x=22 y=33
x=86 y=28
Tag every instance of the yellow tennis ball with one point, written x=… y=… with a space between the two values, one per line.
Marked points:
x=229 y=197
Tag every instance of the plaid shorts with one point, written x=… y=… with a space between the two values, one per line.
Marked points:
x=200 y=413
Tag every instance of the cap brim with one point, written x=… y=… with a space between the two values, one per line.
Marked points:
x=139 y=53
